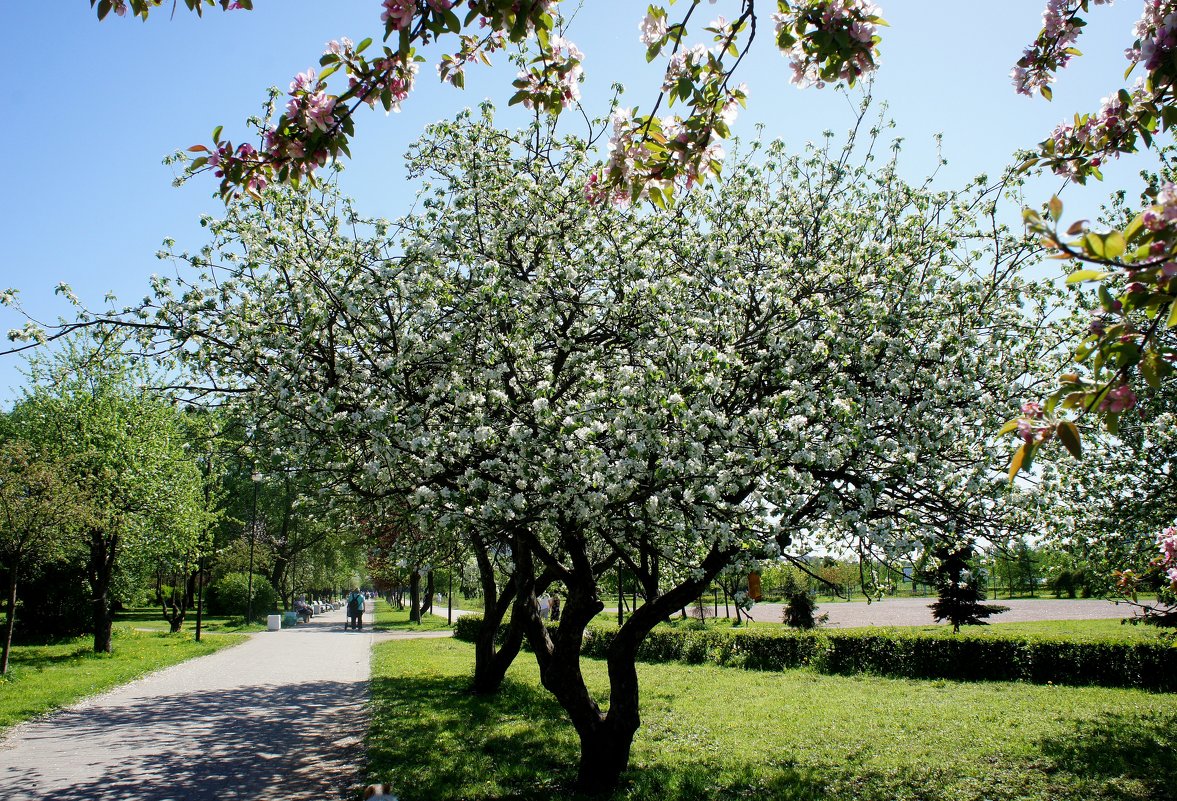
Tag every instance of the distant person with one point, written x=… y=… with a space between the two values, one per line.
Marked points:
x=544 y=606
x=555 y=607
x=355 y=611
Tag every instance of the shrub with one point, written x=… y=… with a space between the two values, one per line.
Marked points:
x=229 y=595
x=914 y=655
x=799 y=611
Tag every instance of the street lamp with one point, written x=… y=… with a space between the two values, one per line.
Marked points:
x=256 y=478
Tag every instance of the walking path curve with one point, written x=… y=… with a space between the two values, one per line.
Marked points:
x=280 y=717
x=915 y=611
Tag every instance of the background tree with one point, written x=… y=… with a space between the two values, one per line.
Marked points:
x=38 y=508
x=960 y=588
x=123 y=450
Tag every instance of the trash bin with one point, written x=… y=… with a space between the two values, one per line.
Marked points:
x=290 y=619
x=273 y=622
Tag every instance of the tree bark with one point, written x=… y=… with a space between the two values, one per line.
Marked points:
x=490 y=665
x=430 y=589
x=415 y=596
x=11 y=622
x=605 y=739
x=102 y=559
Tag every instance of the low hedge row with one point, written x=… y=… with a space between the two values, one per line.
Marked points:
x=892 y=652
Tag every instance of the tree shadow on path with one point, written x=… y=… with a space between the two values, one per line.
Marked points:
x=254 y=742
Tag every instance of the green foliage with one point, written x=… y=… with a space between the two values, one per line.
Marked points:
x=466 y=628
x=55 y=603
x=230 y=595
x=799 y=611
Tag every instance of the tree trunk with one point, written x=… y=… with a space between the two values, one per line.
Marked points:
x=277 y=574
x=430 y=589
x=490 y=665
x=11 y=622
x=415 y=596
x=605 y=739
x=101 y=567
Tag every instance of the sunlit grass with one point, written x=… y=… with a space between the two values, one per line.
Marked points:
x=42 y=678
x=389 y=618
x=719 y=733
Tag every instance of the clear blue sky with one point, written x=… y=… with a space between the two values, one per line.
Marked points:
x=93 y=108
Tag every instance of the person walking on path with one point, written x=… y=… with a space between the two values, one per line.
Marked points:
x=355 y=611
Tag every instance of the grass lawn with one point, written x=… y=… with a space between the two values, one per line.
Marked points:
x=722 y=733
x=1084 y=630
x=42 y=678
x=389 y=618
x=149 y=617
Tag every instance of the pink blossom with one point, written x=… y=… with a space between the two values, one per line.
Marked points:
x=398 y=14
x=653 y=28
x=1026 y=430
x=302 y=82
x=1120 y=399
x=1032 y=409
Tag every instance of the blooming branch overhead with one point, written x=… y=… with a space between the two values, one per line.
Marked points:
x=825 y=41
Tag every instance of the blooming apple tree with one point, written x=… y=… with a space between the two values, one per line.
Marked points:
x=814 y=349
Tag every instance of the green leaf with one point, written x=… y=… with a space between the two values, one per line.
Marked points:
x=1056 y=208
x=1150 y=369
x=362 y=46
x=217 y=133
x=1105 y=298
x=1172 y=321
x=1010 y=425
x=1094 y=244
x=1079 y=276
x=1114 y=245
x=1112 y=421
x=1134 y=228
x=1019 y=460
x=1068 y=434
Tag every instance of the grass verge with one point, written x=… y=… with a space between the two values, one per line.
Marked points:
x=150 y=618
x=42 y=678
x=389 y=618
x=721 y=733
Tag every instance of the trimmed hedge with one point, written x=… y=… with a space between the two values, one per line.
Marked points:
x=1144 y=665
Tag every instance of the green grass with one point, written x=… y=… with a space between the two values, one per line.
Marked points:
x=42 y=678
x=389 y=618
x=720 y=733
x=148 y=617
x=1082 y=630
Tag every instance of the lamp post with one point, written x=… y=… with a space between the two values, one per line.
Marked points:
x=256 y=478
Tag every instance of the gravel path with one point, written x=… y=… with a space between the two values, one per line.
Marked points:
x=279 y=717
x=915 y=612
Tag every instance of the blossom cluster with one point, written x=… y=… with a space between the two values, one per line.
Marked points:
x=828 y=40
x=1167 y=542
x=141 y=8
x=1109 y=131
x=552 y=81
x=1156 y=35
x=1054 y=47
x=1124 y=338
